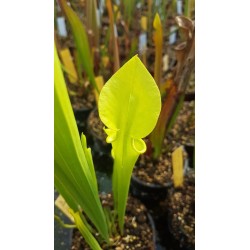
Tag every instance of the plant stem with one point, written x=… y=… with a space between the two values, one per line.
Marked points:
x=58 y=219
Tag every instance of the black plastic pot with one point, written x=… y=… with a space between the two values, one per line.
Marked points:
x=103 y=169
x=181 y=240
x=148 y=192
x=152 y=224
x=189 y=97
x=190 y=149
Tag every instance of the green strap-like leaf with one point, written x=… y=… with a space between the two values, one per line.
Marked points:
x=90 y=239
x=74 y=171
x=129 y=106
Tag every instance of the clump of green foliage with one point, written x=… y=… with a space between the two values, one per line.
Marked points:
x=129 y=106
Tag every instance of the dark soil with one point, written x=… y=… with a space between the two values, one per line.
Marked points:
x=158 y=171
x=138 y=233
x=181 y=212
x=96 y=126
x=82 y=99
x=184 y=127
x=82 y=106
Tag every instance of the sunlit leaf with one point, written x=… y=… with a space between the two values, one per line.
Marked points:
x=73 y=170
x=129 y=106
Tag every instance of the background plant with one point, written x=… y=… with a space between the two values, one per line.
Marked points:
x=84 y=54
x=175 y=93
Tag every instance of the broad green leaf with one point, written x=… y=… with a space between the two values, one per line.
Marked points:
x=81 y=41
x=129 y=106
x=74 y=171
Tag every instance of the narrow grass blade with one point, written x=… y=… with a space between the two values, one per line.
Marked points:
x=90 y=239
